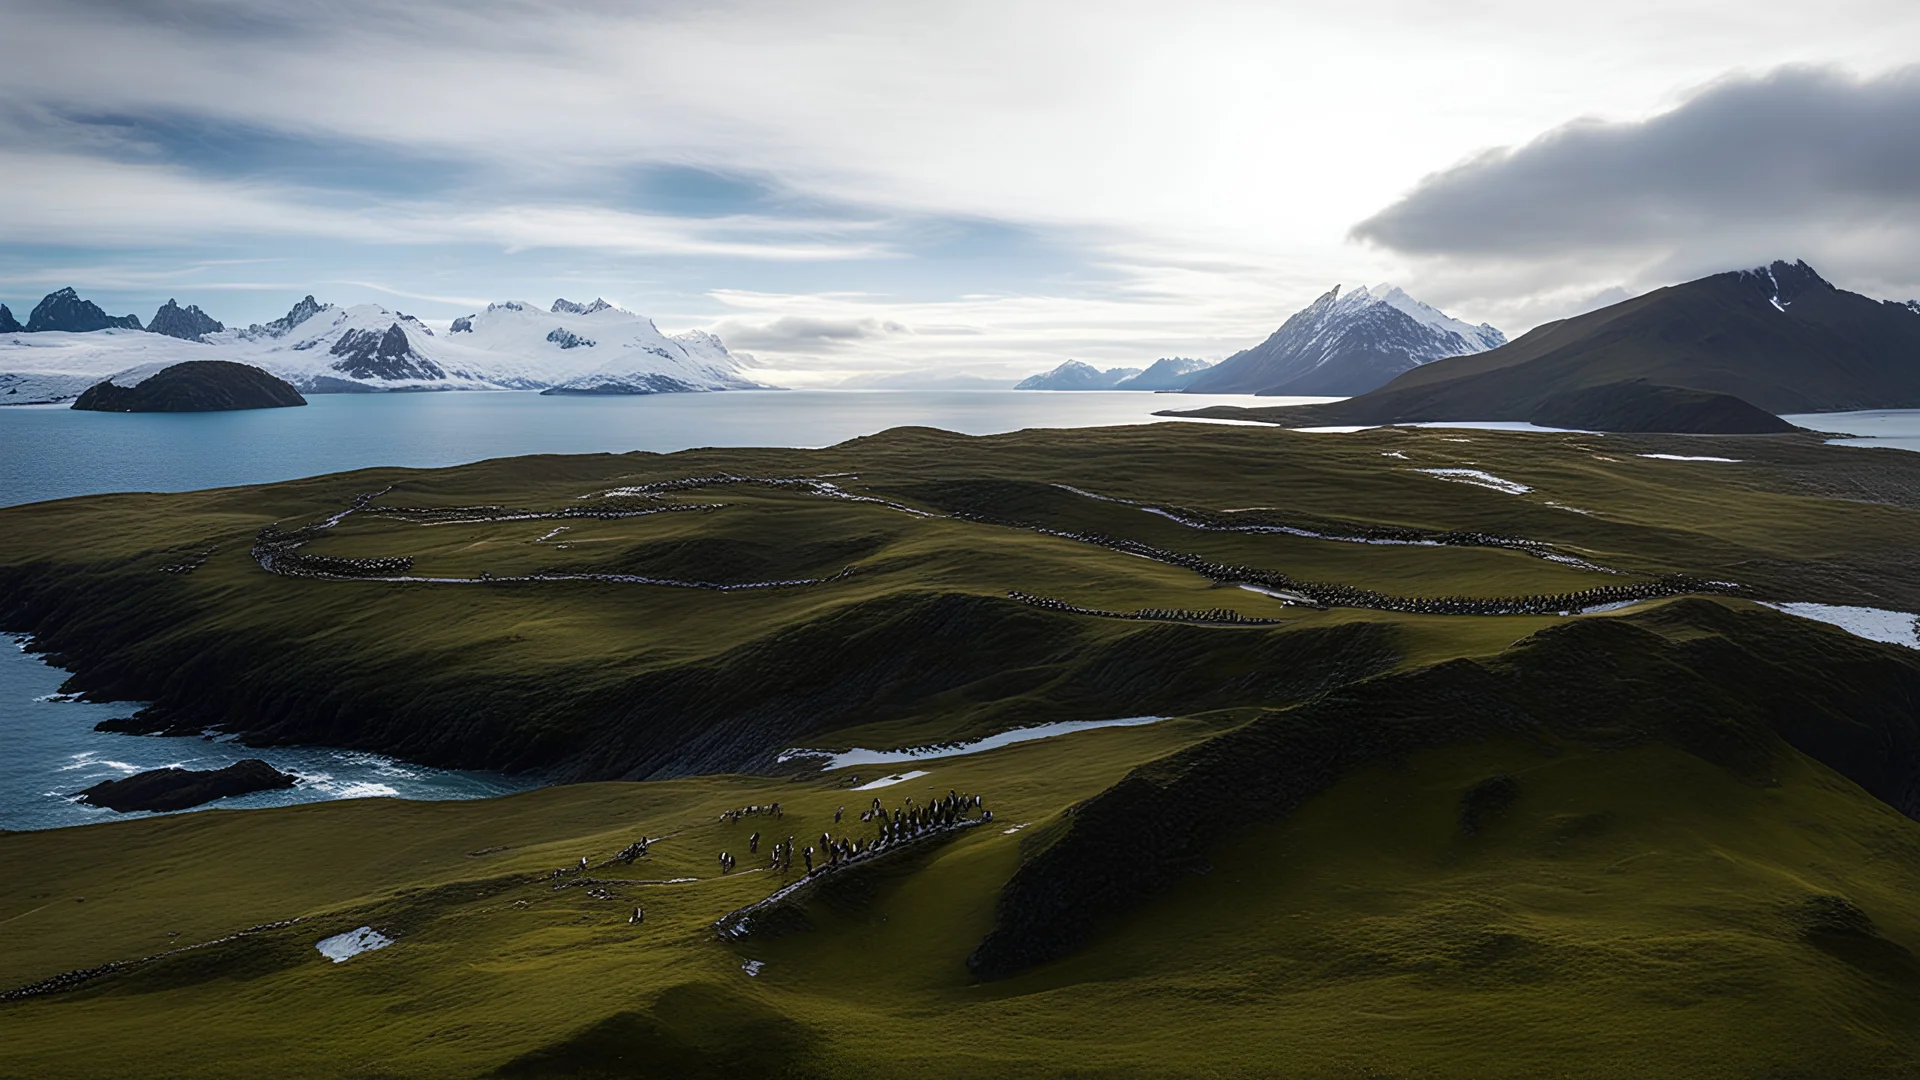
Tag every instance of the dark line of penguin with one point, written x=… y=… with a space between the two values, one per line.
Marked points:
x=902 y=823
x=190 y=563
x=483 y=514
x=1224 y=616
x=70 y=980
x=275 y=551
x=1211 y=521
x=1323 y=596
x=898 y=828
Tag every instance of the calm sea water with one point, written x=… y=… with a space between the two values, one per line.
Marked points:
x=52 y=452
x=49 y=751
x=1877 y=427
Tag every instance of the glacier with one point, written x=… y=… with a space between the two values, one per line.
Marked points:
x=570 y=347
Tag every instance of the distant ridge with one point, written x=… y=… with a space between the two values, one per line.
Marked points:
x=1074 y=375
x=592 y=348
x=64 y=310
x=1778 y=338
x=1167 y=373
x=1347 y=344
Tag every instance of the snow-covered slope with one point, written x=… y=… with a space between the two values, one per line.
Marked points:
x=56 y=365
x=595 y=349
x=1347 y=344
x=322 y=348
x=1074 y=375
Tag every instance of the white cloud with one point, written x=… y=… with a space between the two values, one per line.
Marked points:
x=1204 y=163
x=94 y=202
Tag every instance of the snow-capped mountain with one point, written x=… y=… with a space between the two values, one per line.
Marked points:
x=322 y=348
x=1074 y=375
x=64 y=310
x=188 y=323
x=1347 y=344
x=1166 y=373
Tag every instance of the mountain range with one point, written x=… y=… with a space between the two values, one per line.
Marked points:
x=1722 y=354
x=1347 y=344
x=70 y=344
x=1167 y=373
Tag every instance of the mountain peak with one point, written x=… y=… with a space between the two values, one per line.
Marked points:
x=1166 y=373
x=187 y=324
x=300 y=312
x=1784 y=282
x=570 y=307
x=1075 y=375
x=1347 y=342
x=64 y=310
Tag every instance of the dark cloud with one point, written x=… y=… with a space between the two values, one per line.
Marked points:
x=1746 y=166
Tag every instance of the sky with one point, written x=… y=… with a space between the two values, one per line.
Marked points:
x=851 y=190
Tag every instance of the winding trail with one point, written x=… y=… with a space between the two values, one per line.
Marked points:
x=278 y=552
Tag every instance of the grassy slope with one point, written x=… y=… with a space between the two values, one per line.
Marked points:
x=1638 y=912
x=1633 y=914
x=530 y=675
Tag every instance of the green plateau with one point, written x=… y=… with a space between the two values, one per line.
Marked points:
x=1482 y=756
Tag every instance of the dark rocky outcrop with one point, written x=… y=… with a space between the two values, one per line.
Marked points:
x=9 y=324
x=194 y=386
x=366 y=354
x=64 y=310
x=187 y=324
x=569 y=307
x=182 y=789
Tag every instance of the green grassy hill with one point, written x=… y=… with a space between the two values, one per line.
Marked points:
x=1636 y=909
x=559 y=660
x=1372 y=840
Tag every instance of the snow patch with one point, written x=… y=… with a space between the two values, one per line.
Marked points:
x=1478 y=479
x=889 y=781
x=343 y=947
x=752 y=967
x=1874 y=624
x=842 y=759
x=1685 y=457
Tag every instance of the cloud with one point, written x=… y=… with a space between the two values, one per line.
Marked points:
x=792 y=333
x=1801 y=162
x=89 y=201
x=1133 y=181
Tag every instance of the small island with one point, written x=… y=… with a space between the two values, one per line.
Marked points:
x=183 y=789
x=194 y=386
